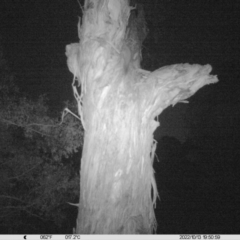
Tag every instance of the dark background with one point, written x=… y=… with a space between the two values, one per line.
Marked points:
x=198 y=168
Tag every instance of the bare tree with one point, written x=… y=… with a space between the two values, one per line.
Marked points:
x=117 y=105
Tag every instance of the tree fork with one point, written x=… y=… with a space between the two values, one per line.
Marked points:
x=117 y=105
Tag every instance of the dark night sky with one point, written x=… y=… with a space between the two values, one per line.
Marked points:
x=35 y=33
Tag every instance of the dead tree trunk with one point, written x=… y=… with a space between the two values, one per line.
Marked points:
x=117 y=105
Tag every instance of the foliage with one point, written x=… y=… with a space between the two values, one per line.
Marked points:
x=37 y=179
